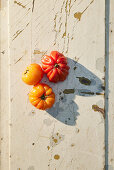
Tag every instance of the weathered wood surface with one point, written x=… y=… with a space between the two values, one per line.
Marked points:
x=70 y=136
x=110 y=89
x=4 y=87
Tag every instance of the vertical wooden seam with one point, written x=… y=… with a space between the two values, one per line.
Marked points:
x=107 y=12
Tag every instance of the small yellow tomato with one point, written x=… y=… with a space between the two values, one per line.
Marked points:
x=33 y=74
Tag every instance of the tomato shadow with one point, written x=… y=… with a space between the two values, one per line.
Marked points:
x=81 y=82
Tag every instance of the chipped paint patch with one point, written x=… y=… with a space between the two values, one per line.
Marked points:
x=56 y=139
x=20 y=4
x=56 y=157
x=84 y=81
x=48 y=147
x=39 y=52
x=32 y=112
x=72 y=145
x=78 y=15
x=3 y=52
x=75 y=68
x=86 y=92
x=68 y=91
x=98 y=109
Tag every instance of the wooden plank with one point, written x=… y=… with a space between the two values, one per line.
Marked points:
x=77 y=29
x=4 y=87
x=110 y=90
x=70 y=136
x=20 y=57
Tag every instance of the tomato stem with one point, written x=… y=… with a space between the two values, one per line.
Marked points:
x=43 y=97
x=56 y=65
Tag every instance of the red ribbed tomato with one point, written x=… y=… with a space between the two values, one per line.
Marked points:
x=55 y=66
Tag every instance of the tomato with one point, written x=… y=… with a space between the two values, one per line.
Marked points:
x=33 y=74
x=42 y=96
x=55 y=66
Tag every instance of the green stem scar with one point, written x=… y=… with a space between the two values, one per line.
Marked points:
x=43 y=97
x=56 y=65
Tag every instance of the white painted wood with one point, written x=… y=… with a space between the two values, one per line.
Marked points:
x=70 y=136
x=4 y=87
x=110 y=121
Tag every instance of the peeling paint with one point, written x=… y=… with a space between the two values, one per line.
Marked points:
x=56 y=139
x=3 y=52
x=84 y=81
x=39 y=52
x=75 y=68
x=88 y=92
x=56 y=157
x=72 y=145
x=33 y=5
x=32 y=112
x=78 y=15
x=48 y=147
x=20 y=4
x=19 y=32
x=98 y=109
x=68 y=91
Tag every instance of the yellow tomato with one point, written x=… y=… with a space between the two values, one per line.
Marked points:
x=33 y=74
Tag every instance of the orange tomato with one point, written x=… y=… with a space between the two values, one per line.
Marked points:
x=42 y=96
x=33 y=74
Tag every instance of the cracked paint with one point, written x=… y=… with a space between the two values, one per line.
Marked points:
x=68 y=91
x=33 y=5
x=56 y=139
x=98 y=109
x=18 y=60
x=84 y=81
x=78 y=15
x=20 y=4
x=19 y=32
x=56 y=157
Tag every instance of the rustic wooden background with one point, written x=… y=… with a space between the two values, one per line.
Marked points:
x=74 y=134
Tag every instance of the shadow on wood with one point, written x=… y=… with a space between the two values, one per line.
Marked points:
x=80 y=81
